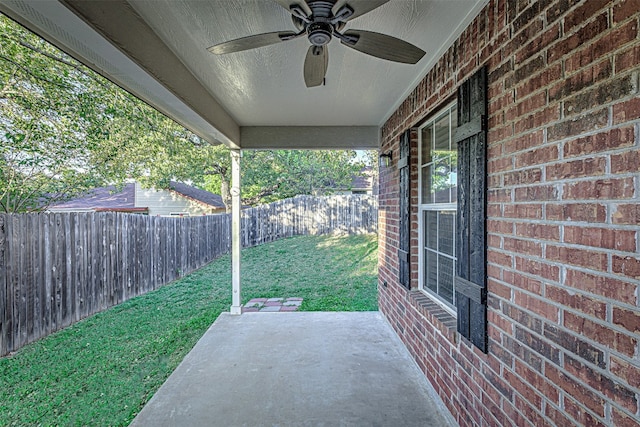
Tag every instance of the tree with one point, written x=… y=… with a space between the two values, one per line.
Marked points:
x=43 y=147
x=68 y=130
x=278 y=174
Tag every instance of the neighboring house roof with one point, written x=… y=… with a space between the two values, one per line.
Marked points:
x=112 y=199
x=366 y=180
x=103 y=198
x=363 y=181
x=197 y=194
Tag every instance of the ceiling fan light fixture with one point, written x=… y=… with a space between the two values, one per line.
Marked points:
x=319 y=33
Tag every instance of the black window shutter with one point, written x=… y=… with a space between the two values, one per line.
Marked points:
x=471 y=136
x=404 y=271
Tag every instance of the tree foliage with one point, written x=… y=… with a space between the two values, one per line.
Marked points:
x=278 y=174
x=43 y=112
x=66 y=130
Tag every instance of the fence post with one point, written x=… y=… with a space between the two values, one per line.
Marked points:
x=57 y=268
x=3 y=289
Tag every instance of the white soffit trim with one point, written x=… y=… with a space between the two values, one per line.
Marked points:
x=310 y=137
x=55 y=23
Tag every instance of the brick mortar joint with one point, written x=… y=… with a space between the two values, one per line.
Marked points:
x=577 y=201
x=607 y=351
x=607 y=401
x=609 y=305
x=562 y=244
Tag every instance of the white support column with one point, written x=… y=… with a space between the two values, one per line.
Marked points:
x=236 y=244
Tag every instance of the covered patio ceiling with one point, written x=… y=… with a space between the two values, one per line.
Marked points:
x=256 y=99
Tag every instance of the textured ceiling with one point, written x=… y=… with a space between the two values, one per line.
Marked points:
x=265 y=86
x=157 y=49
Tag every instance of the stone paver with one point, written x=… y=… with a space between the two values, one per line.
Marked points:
x=271 y=308
x=272 y=304
x=254 y=305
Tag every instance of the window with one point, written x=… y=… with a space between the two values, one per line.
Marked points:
x=452 y=204
x=438 y=160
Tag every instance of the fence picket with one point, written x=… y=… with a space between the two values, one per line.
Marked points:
x=58 y=268
x=3 y=288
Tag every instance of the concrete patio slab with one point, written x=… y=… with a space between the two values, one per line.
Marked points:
x=297 y=369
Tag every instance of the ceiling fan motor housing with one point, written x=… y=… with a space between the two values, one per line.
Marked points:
x=319 y=33
x=320 y=29
x=321 y=8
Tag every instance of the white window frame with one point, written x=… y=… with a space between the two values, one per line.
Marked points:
x=423 y=207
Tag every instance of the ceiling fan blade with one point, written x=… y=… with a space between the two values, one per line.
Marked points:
x=301 y=3
x=252 y=42
x=315 y=65
x=383 y=46
x=360 y=7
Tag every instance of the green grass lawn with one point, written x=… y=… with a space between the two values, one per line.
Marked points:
x=102 y=370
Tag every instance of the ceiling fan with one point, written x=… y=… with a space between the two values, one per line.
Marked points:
x=320 y=21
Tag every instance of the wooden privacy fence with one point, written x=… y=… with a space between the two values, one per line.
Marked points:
x=309 y=215
x=57 y=268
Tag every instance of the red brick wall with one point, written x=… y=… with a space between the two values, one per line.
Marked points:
x=563 y=215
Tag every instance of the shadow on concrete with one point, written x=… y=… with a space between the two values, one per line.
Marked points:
x=297 y=369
